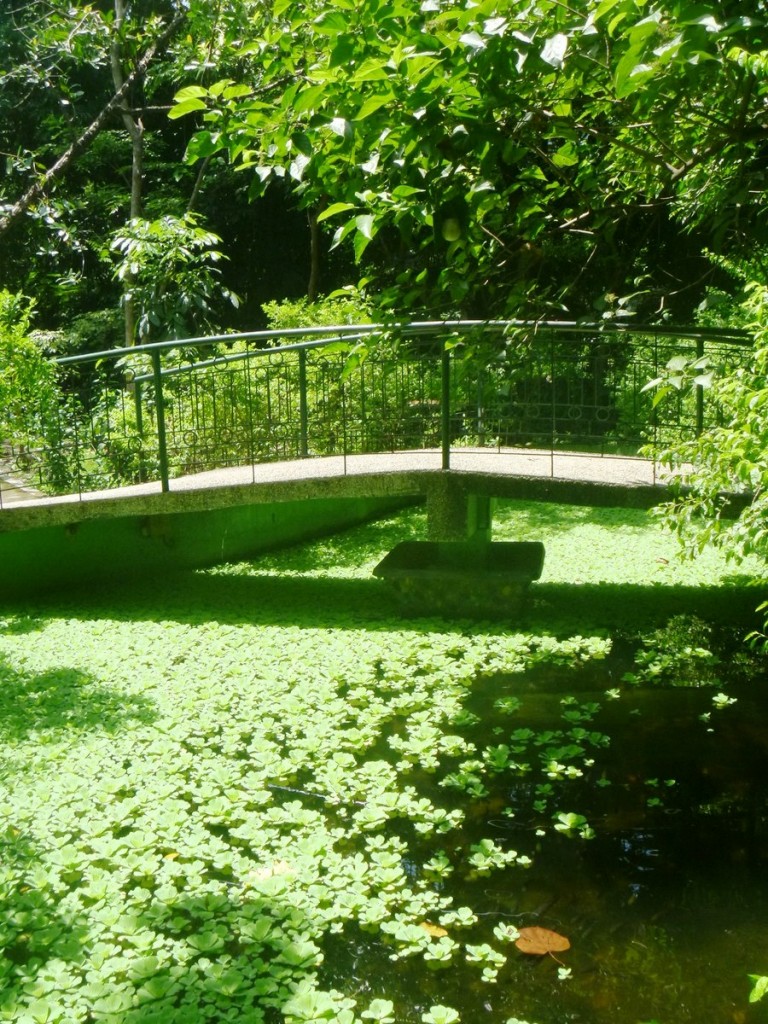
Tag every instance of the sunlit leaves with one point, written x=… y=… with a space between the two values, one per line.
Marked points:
x=169 y=266
x=189 y=99
x=555 y=49
x=384 y=98
x=759 y=987
x=729 y=455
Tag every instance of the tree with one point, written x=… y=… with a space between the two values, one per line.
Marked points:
x=169 y=268
x=730 y=458
x=117 y=102
x=488 y=157
x=63 y=65
x=529 y=158
x=79 y=72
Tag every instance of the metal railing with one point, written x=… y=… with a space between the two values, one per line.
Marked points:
x=160 y=411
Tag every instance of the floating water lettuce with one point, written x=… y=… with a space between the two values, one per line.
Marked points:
x=207 y=783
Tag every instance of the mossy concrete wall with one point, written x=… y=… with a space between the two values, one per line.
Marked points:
x=72 y=554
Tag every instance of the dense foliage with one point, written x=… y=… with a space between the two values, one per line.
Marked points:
x=31 y=401
x=730 y=457
x=480 y=158
x=494 y=151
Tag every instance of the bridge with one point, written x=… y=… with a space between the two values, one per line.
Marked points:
x=195 y=451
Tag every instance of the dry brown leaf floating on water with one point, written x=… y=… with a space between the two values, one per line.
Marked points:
x=539 y=941
x=433 y=929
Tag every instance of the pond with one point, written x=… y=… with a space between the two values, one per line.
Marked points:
x=664 y=902
x=258 y=794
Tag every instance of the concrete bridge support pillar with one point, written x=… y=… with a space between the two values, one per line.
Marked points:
x=455 y=514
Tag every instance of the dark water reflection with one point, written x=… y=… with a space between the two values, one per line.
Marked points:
x=665 y=907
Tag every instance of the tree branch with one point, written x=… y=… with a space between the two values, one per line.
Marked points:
x=81 y=144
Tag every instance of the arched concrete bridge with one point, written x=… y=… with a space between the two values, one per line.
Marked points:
x=235 y=513
x=460 y=412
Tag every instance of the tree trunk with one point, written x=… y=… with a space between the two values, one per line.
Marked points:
x=314 y=256
x=135 y=128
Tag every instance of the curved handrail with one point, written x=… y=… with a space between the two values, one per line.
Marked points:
x=327 y=335
x=90 y=439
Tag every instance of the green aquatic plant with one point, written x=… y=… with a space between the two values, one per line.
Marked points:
x=487 y=856
x=570 y=823
x=440 y=1014
x=679 y=654
x=759 y=987
x=458 y=917
x=311 y=1006
x=381 y=1011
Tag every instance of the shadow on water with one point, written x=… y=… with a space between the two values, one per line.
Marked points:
x=33 y=929
x=210 y=957
x=19 y=625
x=244 y=955
x=338 y=603
x=63 y=699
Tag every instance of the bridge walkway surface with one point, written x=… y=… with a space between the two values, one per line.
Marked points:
x=534 y=396
x=541 y=475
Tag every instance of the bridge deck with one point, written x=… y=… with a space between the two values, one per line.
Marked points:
x=542 y=475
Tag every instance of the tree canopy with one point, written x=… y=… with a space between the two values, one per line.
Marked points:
x=491 y=155
x=536 y=157
x=530 y=158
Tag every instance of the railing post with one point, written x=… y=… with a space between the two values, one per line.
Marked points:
x=162 y=444
x=303 y=407
x=553 y=422
x=699 y=391
x=137 y=389
x=481 y=407
x=445 y=407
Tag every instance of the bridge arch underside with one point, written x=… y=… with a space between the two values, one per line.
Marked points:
x=60 y=543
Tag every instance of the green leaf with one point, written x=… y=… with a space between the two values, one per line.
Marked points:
x=333 y=209
x=406 y=192
x=332 y=23
x=473 y=40
x=341 y=127
x=186 y=107
x=298 y=165
x=143 y=967
x=206 y=942
x=759 y=987
x=365 y=224
x=155 y=988
x=372 y=104
x=116 y=1002
x=631 y=72
x=372 y=70
x=343 y=232
x=190 y=92
x=235 y=91
x=566 y=156
x=554 y=50
x=308 y=98
x=203 y=144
